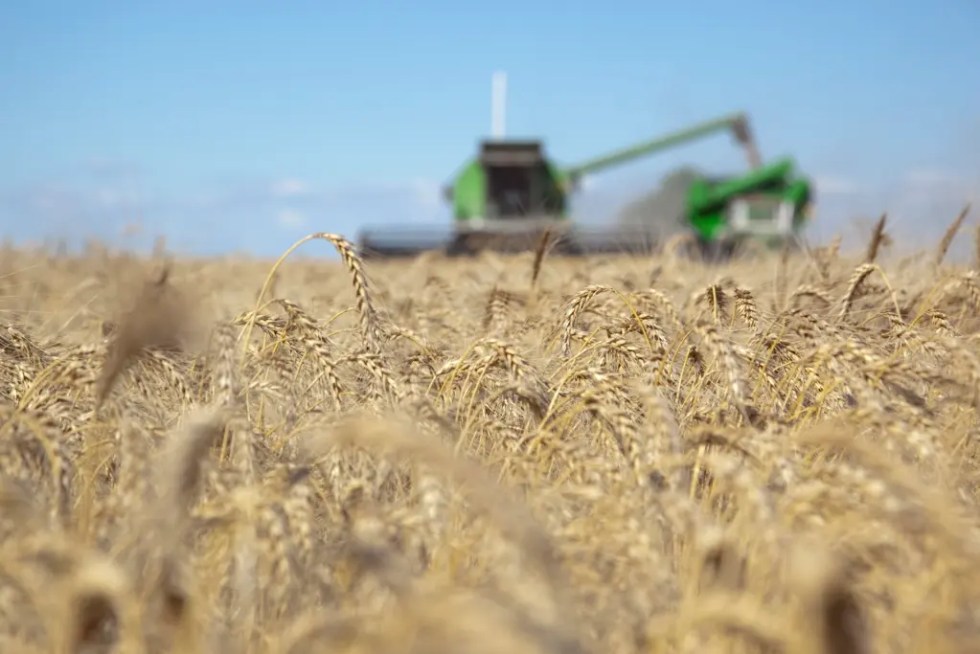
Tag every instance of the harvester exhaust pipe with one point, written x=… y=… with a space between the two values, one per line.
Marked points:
x=498 y=107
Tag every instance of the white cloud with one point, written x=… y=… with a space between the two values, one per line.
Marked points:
x=111 y=168
x=102 y=199
x=932 y=177
x=942 y=189
x=291 y=218
x=427 y=192
x=835 y=185
x=289 y=187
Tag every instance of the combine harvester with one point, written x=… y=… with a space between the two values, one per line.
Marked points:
x=506 y=198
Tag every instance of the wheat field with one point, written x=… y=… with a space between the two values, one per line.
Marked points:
x=510 y=453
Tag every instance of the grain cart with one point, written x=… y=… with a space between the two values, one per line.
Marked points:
x=512 y=191
x=768 y=205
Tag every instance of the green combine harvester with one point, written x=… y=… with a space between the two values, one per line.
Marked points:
x=505 y=198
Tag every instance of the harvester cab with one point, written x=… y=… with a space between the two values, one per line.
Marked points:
x=519 y=182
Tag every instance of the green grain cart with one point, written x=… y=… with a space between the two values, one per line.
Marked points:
x=769 y=205
x=512 y=191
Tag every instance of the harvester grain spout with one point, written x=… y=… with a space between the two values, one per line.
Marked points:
x=743 y=134
x=738 y=123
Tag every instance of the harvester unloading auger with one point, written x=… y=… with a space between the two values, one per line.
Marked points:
x=512 y=192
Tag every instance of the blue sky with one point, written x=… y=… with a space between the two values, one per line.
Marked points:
x=242 y=126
